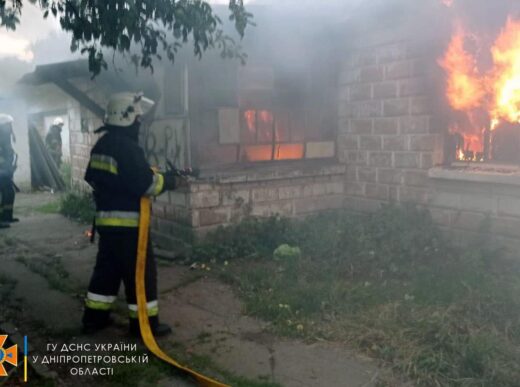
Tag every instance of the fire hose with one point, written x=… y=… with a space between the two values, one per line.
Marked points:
x=144 y=323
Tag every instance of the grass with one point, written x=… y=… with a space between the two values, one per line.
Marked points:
x=150 y=374
x=388 y=284
x=78 y=206
x=50 y=208
x=52 y=269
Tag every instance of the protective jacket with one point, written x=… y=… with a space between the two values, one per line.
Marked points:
x=120 y=175
x=7 y=155
x=7 y=168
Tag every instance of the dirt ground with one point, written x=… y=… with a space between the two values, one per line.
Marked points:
x=46 y=261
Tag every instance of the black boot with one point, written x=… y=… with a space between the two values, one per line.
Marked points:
x=4 y=224
x=95 y=320
x=158 y=329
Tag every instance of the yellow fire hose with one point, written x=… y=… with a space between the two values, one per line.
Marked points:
x=142 y=312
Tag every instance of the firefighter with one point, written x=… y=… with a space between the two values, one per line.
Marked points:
x=7 y=168
x=120 y=175
x=53 y=141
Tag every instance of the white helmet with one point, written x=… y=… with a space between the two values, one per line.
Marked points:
x=124 y=108
x=58 y=121
x=6 y=119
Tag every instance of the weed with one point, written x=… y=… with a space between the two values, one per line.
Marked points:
x=388 y=283
x=52 y=270
x=78 y=206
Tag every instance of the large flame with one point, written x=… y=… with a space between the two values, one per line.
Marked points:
x=506 y=77
x=494 y=95
x=465 y=87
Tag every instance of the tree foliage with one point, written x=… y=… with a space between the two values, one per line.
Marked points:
x=145 y=30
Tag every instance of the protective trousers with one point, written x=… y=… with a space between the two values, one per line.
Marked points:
x=7 y=194
x=116 y=260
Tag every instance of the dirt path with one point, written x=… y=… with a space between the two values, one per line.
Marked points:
x=50 y=260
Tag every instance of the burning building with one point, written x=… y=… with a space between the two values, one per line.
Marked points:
x=429 y=113
x=394 y=101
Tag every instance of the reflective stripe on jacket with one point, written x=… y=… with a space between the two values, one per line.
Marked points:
x=120 y=175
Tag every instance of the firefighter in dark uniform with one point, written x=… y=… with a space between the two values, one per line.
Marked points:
x=7 y=168
x=53 y=141
x=120 y=175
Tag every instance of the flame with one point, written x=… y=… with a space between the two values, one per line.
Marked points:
x=506 y=77
x=487 y=99
x=250 y=118
x=465 y=88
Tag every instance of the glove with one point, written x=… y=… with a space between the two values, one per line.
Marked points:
x=170 y=180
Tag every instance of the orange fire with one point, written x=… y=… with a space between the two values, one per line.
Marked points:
x=465 y=87
x=506 y=76
x=494 y=95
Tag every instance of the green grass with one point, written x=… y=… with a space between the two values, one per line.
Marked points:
x=50 y=208
x=388 y=284
x=78 y=206
x=149 y=374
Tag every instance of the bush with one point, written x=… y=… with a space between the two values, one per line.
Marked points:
x=78 y=206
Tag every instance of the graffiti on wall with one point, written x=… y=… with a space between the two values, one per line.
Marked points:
x=167 y=140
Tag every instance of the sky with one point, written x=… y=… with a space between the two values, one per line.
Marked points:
x=40 y=41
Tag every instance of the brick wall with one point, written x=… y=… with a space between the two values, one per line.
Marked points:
x=227 y=198
x=387 y=134
x=391 y=128
x=82 y=125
